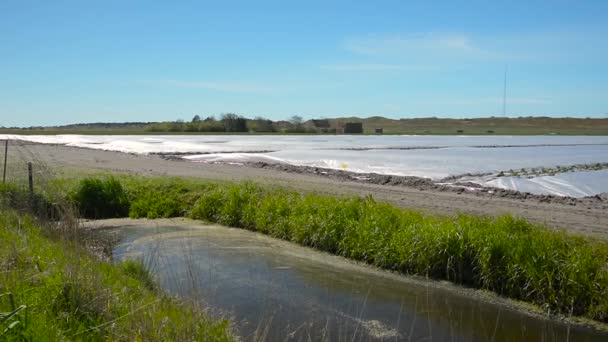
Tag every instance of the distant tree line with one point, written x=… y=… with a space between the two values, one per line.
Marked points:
x=236 y=123
x=227 y=123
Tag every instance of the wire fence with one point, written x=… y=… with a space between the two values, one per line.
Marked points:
x=27 y=181
x=23 y=168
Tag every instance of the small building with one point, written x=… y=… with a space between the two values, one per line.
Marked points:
x=379 y=130
x=353 y=128
x=323 y=123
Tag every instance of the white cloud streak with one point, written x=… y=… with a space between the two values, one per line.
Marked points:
x=378 y=67
x=224 y=86
x=441 y=48
x=426 y=44
x=498 y=100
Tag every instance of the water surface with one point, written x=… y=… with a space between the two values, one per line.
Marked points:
x=275 y=289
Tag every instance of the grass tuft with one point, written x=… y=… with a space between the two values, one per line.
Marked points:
x=101 y=198
x=136 y=269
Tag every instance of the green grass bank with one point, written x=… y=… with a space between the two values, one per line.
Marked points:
x=560 y=272
x=53 y=289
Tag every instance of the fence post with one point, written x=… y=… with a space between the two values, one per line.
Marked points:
x=5 y=153
x=30 y=177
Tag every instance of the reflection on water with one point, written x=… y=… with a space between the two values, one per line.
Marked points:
x=276 y=290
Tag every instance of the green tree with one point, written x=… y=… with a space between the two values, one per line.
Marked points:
x=261 y=124
x=234 y=123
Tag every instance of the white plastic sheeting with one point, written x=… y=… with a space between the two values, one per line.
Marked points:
x=573 y=184
x=434 y=157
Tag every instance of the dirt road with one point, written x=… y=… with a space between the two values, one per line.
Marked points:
x=581 y=218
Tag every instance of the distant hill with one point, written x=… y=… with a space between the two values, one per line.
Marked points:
x=85 y=126
x=491 y=125
x=104 y=125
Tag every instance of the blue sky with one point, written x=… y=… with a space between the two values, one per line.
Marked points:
x=84 y=61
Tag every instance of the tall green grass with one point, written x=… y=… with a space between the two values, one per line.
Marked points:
x=21 y=199
x=55 y=290
x=560 y=272
x=101 y=198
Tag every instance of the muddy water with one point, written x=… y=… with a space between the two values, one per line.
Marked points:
x=275 y=290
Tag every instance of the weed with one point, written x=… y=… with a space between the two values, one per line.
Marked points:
x=10 y=321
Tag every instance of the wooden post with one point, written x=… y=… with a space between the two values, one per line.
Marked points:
x=30 y=177
x=5 y=154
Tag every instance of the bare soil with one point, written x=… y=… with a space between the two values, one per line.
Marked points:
x=588 y=216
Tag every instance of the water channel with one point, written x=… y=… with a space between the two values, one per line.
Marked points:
x=275 y=290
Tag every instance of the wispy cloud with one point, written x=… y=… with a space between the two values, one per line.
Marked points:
x=392 y=107
x=498 y=100
x=440 y=48
x=426 y=44
x=224 y=86
x=378 y=67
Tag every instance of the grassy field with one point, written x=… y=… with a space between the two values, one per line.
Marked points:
x=53 y=289
x=422 y=126
x=557 y=271
x=486 y=126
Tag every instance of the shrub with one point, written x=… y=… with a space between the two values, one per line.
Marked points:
x=97 y=198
